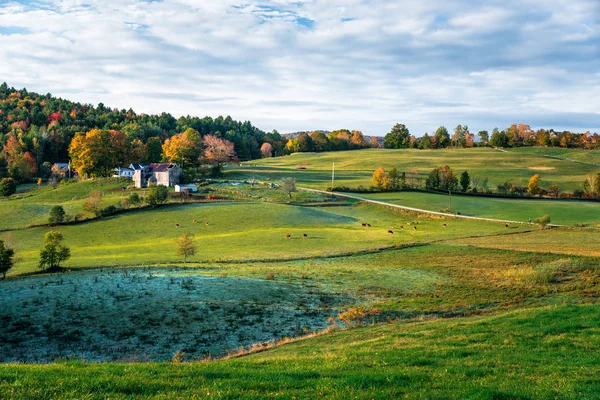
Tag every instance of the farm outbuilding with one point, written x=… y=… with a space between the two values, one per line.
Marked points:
x=191 y=188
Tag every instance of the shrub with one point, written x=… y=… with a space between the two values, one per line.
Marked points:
x=8 y=187
x=110 y=210
x=545 y=220
x=57 y=215
x=178 y=357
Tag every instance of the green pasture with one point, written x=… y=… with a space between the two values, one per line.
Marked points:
x=562 y=212
x=242 y=231
x=31 y=204
x=354 y=168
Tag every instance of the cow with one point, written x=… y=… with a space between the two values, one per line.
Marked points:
x=304 y=236
x=363 y=224
x=368 y=225
x=391 y=232
x=444 y=225
x=177 y=225
x=415 y=228
x=194 y=221
x=402 y=227
x=506 y=225
x=288 y=236
x=206 y=223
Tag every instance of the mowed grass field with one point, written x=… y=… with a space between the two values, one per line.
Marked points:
x=543 y=353
x=31 y=204
x=561 y=212
x=354 y=168
x=237 y=232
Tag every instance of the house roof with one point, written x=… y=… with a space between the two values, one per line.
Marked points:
x=122 y=169
x=162 y=167
x=61 y=165
x=138 y=166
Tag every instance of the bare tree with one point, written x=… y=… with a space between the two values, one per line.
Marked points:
x=288 y=186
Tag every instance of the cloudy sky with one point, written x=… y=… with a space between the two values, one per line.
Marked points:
x=316 y=64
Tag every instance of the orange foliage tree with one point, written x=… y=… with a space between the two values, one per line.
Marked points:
x=184 y=148
x=97 y=152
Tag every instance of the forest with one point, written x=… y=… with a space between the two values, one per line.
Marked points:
x=37 y=130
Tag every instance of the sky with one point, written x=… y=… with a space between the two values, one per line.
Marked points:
x=316 y=64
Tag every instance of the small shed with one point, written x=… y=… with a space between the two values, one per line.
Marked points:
x=190 y=187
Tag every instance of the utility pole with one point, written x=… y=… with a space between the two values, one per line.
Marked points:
x=449 y=200
x=332 y=175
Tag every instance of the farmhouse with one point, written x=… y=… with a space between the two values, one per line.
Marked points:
x=163 y=174
x=123 y=172
x=61 y=170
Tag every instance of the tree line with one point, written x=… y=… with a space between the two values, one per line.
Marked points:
x=444 y=178
x=338 y=140
x=517 y=135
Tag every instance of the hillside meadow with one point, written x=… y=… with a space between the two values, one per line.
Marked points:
x=452 y=308
x=566 y=168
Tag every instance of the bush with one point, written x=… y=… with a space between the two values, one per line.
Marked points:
x=545 y=220
x=57 y=215
x=110 y=210
x=157 y=195
x=8 y=187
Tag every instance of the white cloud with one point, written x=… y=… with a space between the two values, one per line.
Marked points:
x=294 y=65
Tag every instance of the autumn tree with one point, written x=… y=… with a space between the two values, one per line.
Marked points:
x=397 y=138
x=449 y=181
x=98 y=152
x=217 y=152
x=53 y=253
x=6 y=259
x=288 y=186
x=591 y=185
x=533 y=188
x=185 y=246
x=184 y=149
x=374 y=142
x=266 y=150
x=380 y=179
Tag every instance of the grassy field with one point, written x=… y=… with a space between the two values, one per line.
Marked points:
x=31 y=205
x=520 y=298
x=543 y=353
x=243 y=231
x=354 y=168
x=560 y=212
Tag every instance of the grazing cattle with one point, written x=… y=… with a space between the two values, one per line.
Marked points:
x=206 y=223
x=363 y=224
x=402 y=227
x=444 y=225
x=506 y=225
x=288 y=236
x=304 y=236
x=194 y=221
x=368 y=225
x=391 y=232
x=415 y=228
x=177 y=225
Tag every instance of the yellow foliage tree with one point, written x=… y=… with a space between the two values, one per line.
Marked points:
x=184 y=148
x=380 y=179
x=534 y=185
x=97 y=152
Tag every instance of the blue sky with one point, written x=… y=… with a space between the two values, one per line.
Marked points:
x=316 y=64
